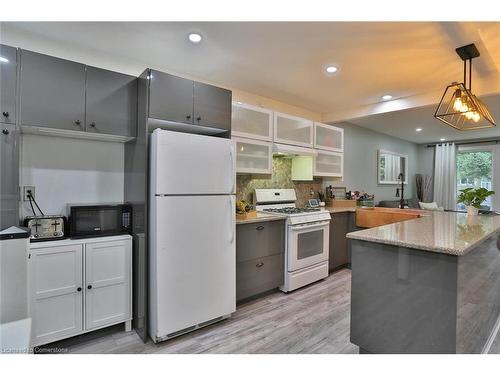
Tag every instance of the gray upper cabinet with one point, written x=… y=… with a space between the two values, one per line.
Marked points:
x=111 y=102
x=171 y=98
x=9 y=175
x=8 y=74
x=52 y=92
x=212 y=106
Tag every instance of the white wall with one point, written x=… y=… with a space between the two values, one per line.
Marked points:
x=65 y=170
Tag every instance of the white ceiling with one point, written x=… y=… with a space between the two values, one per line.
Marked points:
x=285 y=61
x=402 y=124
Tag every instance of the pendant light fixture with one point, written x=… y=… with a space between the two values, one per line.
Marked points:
x=459 y=107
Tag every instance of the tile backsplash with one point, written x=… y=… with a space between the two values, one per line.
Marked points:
x=281 y=178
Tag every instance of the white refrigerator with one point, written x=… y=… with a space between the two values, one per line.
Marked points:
x=192 y=250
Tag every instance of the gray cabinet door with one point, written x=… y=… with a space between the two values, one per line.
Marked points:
x=256 y=240
x=339 y=227
x=9 y=175
x=111 y=102
x=8 y=74
x=52 y=92
x=170 y=98
x=212 y=106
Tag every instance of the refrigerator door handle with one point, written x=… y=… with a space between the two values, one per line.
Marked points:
x=231 y=159
x=232 y=220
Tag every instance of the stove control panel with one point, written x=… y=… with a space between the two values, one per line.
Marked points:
x=309 y=218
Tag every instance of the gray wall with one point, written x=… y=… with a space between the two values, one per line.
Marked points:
x=360 y=161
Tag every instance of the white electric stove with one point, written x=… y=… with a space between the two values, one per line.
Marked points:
x=307 y=236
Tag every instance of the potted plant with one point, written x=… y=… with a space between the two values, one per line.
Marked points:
x=472 y=199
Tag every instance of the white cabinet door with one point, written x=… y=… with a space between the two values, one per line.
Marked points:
x=293 y=130
x=108 y=269
x=328 y=137
x=56 y=293
x=253 y=157
x=329 y=164
x=251 y=121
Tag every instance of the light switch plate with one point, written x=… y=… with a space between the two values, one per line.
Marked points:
x=25 y=192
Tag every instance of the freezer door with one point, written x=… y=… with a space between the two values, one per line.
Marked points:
x=192 y=262
x=191 y=164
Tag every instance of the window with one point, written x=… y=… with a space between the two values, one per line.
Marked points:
x=475 y=170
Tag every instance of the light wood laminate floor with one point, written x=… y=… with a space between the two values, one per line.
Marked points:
x=314 y=319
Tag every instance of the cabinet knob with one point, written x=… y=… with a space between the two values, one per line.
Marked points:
x=5 y=131
x=6 y=114
x=260 y=227
x=258 y=265
x=198 y=118
x=78 y=122
x=89 y=287
x=188 y=117
x=92 y=124
x=78 y=289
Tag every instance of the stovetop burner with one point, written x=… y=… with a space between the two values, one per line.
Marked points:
x=291 y=210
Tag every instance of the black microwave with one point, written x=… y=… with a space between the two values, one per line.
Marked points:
x=95 y=220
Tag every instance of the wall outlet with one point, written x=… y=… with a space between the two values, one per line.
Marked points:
x=25 y=192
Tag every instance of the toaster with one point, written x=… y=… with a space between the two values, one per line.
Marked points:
x=46 y=227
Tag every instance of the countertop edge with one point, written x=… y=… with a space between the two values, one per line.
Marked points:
x=437 y=249
x=259 y=219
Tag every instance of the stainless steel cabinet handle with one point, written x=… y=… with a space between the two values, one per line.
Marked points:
x=259 y=264
x=5 y=131
x=260 y=227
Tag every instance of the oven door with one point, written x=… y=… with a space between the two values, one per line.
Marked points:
x=307 y=244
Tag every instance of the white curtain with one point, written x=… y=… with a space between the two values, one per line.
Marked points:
x=445 y=184
x=392 y=167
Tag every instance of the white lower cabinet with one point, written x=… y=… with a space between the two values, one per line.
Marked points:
x=56 y=292
x=79 y=286
x=107 y=278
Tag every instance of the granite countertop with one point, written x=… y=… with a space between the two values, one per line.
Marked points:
x=261 y=217
x=441 y=232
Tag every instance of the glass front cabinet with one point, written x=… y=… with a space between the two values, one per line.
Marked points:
x=328 y=137
x=252 y=122
x=293 y=130
x=253 y=156
x=328 y=164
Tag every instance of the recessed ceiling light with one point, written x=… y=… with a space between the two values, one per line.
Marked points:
x=331 y=69
x=3 y=59
x=194 y=37
x=386 y=97
x=418 y=129
x=442 y=139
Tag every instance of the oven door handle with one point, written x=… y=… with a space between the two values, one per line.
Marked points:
x=307 y=226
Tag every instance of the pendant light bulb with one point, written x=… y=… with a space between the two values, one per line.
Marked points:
x=469 y=115
x=476 y=117
x=457 y=105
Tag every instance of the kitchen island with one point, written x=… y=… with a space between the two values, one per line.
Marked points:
x=426 y=285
